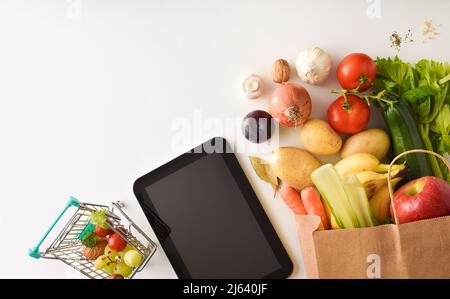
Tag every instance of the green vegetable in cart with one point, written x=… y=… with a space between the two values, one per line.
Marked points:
x=89 y=239
x=99 y=218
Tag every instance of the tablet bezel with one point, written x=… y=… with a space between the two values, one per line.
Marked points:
x=246 y=189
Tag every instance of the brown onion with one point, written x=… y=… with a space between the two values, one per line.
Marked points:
x=290 y=104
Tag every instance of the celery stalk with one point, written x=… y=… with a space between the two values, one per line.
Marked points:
x=358 y=200
x=427 y=143
x=331 y=186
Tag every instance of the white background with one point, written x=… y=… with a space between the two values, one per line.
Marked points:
x=89 y=97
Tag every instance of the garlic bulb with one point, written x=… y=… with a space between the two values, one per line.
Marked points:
x=253 y=86
x=313 y=65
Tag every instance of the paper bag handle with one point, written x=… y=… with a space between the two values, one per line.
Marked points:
x=391 y=191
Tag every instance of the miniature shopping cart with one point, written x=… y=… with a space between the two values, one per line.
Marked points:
x=67 y=246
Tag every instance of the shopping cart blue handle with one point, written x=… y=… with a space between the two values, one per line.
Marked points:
x=34 y=252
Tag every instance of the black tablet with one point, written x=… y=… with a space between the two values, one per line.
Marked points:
x=208 y=219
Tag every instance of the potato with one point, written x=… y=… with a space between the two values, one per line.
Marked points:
x=294 y=166
x=371 y=141
x=319 y=137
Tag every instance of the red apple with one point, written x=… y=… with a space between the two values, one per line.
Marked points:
x=423 y=198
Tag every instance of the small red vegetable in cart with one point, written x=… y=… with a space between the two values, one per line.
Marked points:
x=116 y=243
x=101 y=232
x=100 y=219
x=115 y=276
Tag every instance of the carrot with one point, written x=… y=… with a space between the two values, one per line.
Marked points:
x=292 y=199
x=313 y=204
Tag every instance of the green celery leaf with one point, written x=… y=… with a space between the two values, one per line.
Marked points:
x=381 y=84
x=390 y=85
x=444 y=150
x=89 y=239
x=423 y=110
x=444 y=146
x=397 y=71
x=434 y=128
x=434 y=75
x=441 y=124
x=418 y=94
x=444 y=80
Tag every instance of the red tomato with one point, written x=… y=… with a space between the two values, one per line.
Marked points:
x=102 y=232
x=350 y=118
x=116 y=243
x=353 y=67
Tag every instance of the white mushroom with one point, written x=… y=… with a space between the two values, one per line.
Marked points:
x=253 y=86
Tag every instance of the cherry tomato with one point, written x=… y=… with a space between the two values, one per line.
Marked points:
x=102 y=232
x=116 y=243
x=348 y=117
x=353 y=68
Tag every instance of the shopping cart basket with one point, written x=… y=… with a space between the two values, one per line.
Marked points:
x=67 y=246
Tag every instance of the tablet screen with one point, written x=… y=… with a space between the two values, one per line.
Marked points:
x=212 y=228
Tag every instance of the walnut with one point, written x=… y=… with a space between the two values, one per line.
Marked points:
x=280 y=71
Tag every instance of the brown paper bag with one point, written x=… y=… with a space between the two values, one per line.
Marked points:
x=412 y=250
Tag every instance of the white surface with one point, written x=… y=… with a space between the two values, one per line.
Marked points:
x=88 y=101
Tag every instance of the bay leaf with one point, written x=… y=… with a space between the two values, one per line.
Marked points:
x=264 y=171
